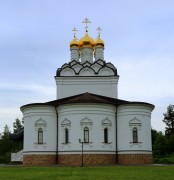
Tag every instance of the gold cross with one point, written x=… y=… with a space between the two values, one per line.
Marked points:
x=86 y=21
x=75 y=30
x=99 y=31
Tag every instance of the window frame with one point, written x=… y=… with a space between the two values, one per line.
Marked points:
x=40 y=136
x=86 y=134
x=66 y=135
x=106 y=135
x=135 y=135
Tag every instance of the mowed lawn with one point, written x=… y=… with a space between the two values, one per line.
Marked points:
x=80 y=173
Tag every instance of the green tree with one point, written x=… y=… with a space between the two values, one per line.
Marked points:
x=5 y=146
x=169 y=120
x=154 y=135
x=171 y=143
x=160 y=147
x=17 y=125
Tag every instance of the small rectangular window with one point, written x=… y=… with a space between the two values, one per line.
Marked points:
x=40 y=136
x=135 y=135
x=66 y=136
x=105 y=135
x=86 y=135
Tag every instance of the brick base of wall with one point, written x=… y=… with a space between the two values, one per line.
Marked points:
x=88 y=159
x=39 y=159
x=135 y=159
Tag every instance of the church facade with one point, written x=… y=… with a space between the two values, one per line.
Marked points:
x=87 y=124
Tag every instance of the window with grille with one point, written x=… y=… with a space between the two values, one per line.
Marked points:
x=105 y=135
x=135 y=135
x=86 y=135
x=40 y=136
x=66 y=136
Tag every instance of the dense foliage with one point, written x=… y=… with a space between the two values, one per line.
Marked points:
x=169 y=120
x=7 y=146
x=163 y=145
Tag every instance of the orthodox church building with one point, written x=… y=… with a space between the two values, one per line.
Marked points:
x=87 y=124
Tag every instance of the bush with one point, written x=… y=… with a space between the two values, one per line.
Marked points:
x=168 y=159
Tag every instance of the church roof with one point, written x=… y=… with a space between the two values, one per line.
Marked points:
x=101 y=64
x=88 y=98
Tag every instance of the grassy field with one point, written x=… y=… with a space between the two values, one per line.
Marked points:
x=96 y=173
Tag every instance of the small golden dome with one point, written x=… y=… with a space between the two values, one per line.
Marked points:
x=74 y=42
x=86 y=41
x=99 y=42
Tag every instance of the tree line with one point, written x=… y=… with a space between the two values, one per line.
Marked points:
x=162 y=144
x=7 y=146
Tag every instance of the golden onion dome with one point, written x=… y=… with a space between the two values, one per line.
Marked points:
x=99 y=42
x=86 y=41
x=74 y=43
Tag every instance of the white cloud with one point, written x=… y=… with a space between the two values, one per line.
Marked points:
x=38 y=88
x=8 y=116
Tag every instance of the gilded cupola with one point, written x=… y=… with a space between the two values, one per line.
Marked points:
x=74 y=47
x=99 y=47
x=86 y=41
x=74 y=42
x=99 y=42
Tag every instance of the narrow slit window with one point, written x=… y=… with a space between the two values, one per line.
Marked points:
x=66 y=136
x=40 y=136
x=135 y=135
x=105 y=135
x=86 y=135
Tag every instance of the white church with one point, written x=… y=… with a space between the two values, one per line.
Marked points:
x=87 y=124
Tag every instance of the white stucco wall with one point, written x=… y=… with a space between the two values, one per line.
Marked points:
x=140 y=114
x=93 y=113
x=69 y=86
x=39 y=117
x=77 y=116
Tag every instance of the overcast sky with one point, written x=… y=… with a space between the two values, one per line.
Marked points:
x=34 y=42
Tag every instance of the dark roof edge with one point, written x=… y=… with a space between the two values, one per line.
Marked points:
x=106 y=100
x=139 y=102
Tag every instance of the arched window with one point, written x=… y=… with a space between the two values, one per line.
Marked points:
x=135 y=135
x=105 y=135
x=86 y=135
x=66 y=136
x=40 y=136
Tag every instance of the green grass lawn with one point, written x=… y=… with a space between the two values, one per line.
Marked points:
x=96 y=173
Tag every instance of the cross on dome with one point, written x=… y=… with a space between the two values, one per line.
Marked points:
x=75 y=30
x=99 y=31
x=86 y=21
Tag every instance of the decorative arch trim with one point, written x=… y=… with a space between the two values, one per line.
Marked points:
x=66 y=122
x=135 y=123
x=87 y=71
x=86 y=121
x=106 y=71
x=106 y=122
x=40 y=122
x=67 y=71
